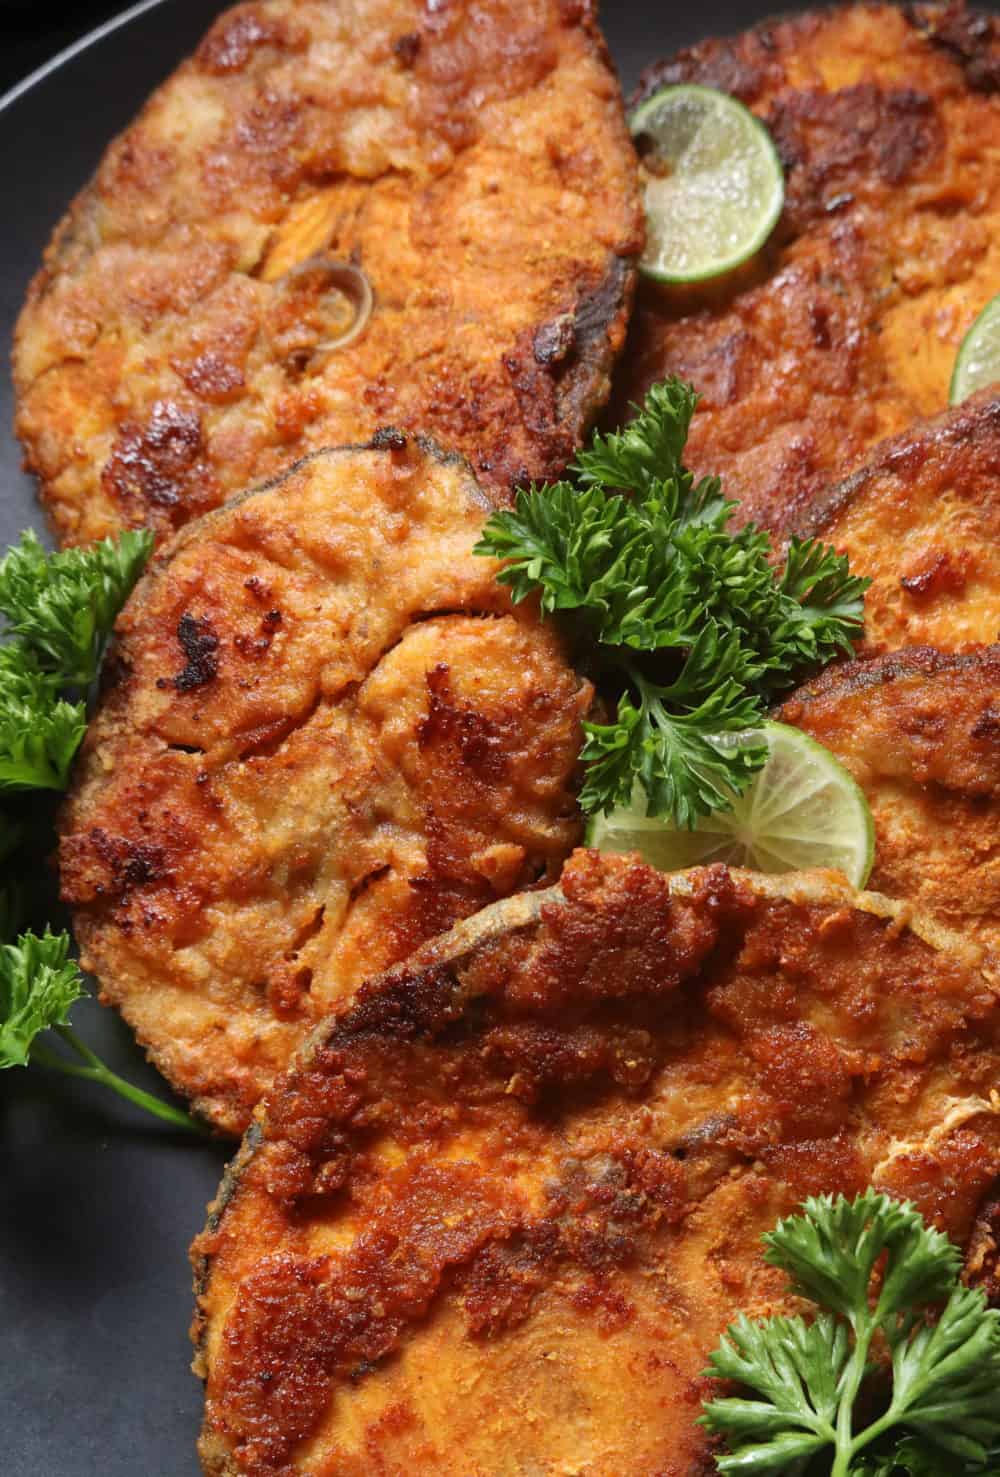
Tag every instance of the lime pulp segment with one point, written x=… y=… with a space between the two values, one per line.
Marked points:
x=802 y=810
x=978 y=362
x=714 y=186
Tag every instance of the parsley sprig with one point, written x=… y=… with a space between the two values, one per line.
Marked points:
x=644 y=558
x=39 y=984
x=59 y=610
x=884 y=1280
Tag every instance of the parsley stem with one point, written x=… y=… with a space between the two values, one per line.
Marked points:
x=864 y=1329
x=94 y=1070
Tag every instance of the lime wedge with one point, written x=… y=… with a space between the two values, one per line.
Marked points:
x=978 y=362
x=803 y=810
x=714 y=186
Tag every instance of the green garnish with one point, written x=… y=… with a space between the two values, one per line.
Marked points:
x=644 y=558
x=886 y=1284
x=39 y=984
x=60 y=609
x=62 y=606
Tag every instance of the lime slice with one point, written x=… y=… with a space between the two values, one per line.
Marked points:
x=803 y=810
x=978 y=362
x=714 y=186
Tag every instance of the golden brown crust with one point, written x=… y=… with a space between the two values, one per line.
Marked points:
x=922 y=518
x=499 y=1211
x=982 y=1261
x=845 y=330
x=325 y=735
x=920 y=732
x=472 y=159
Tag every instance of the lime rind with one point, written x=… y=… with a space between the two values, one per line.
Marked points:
x=978 y=362
x=803 y=810
x=725 y=191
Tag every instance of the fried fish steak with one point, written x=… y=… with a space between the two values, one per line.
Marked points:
x=845 y=329
x=325 y=735
x=502 y=1207
x=921 y=518
x=467 y=164
x=920 y=732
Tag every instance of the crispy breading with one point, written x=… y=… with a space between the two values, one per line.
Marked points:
x=920 y=732
x=846 y=327
x=501 y=1209
x=982 y=1262
x=922 y=519
x=471 y=159
x=325 y=735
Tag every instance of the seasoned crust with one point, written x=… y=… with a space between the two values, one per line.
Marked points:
x=502 y=1206
x=473 y=161
x=846 y=327
x=920 y=732
x=324 y=736
x=922 y=519
x=982 y=1262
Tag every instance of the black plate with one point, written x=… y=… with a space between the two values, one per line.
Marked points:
x=97 y=1204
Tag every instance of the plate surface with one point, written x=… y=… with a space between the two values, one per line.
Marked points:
x=97 y=1204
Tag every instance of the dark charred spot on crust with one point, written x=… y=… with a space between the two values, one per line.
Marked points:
x=406 y=48
x=133 y=863
x=257 y=644
x=969 y=37
x=236 y=36
x=833 y=144
x=98 y=865
x=476 y=741
x=389 y=438
x=744 y=66
x=418 y=1003
x=153 y=465
x=937 y=573
x=200 y=646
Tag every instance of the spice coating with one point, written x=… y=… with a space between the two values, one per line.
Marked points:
x=499 y=1210
x=469 y=159
x=922 y=518
x=324 y=736
x=920 y=732
x=845 y=329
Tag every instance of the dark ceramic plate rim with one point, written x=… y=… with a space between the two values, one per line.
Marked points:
x=90 y=38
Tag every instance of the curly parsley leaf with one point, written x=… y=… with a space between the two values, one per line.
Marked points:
x=678 y=756
x=876 y=1270
x=62 y=606
x=644 y=560
x=38 y=984
x=649 y=449
x=829 y=1253
x=60 y=609
x=38 y=742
